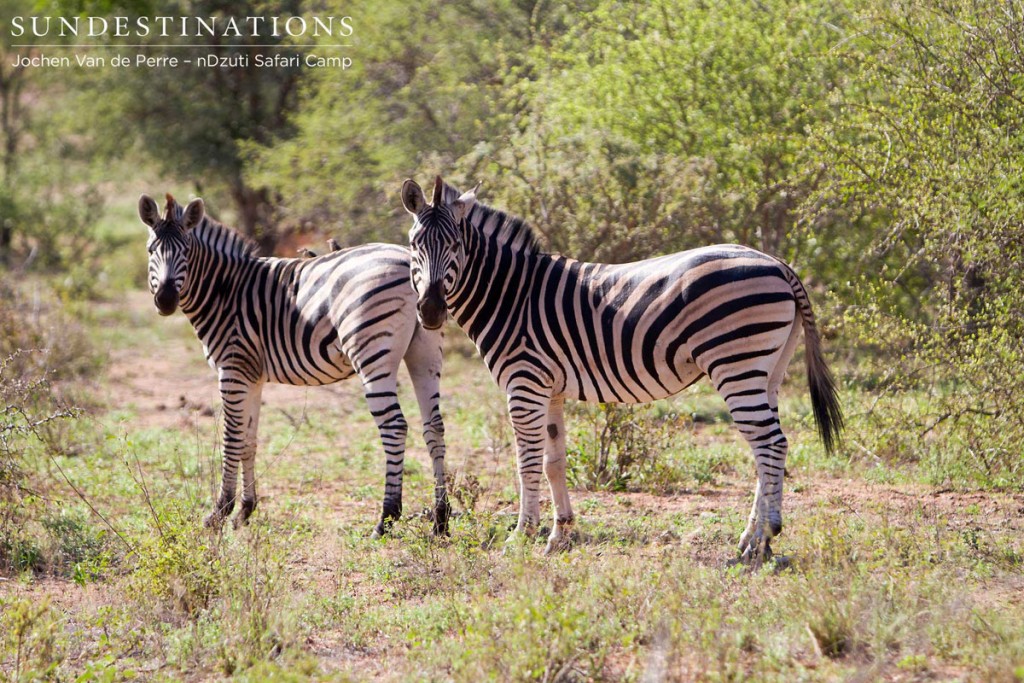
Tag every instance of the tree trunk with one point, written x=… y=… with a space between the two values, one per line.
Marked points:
x=255 y=215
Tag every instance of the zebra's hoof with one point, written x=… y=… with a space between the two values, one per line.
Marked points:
x=558 y=545
x=442 y=512
x=241 y=518
x=213 y=520
x=562 y=540
x=753 y=556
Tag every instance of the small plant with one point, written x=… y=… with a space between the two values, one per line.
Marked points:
x=179 y=563
x=618 y=447
x=76 y=547
x=832 y=631
x=28 y=638
x=27 y=409
x=464 y=487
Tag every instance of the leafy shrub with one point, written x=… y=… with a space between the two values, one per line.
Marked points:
x=180 y=563
x=620 y=447
x=225 y=590
x=76 y=546
x=920 y=155
x=40 y=350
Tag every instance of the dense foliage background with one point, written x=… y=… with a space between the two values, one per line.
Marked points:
x=876 y=145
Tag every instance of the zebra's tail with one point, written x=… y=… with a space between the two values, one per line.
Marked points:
x=828 y=414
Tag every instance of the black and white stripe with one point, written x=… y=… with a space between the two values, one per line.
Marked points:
x=551 y=328
x=304 y=322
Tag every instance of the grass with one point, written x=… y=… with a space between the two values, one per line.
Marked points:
x=892 y=578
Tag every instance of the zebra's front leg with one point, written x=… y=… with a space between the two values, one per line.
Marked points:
x=424 y=359
x=241 y=400
x=433 y=434
x=528 y=412
x=554 y=470
x=253 y=403
x=382 y=397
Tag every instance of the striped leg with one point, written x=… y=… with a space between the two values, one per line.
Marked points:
x=249 y=461
x=554 y=470
x=382 y=397
x=757 y=418
x=528 y=411
x=765 y=521
x=424 y=363
x=241 y=399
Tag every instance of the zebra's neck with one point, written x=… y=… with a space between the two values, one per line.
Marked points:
x=220 y=259
x=502 y=256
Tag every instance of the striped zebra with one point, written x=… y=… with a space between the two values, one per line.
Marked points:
x=305 y=322
x=550 y=328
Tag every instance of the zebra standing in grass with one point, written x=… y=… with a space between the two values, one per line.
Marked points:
x=304 y=322
x=551 y=328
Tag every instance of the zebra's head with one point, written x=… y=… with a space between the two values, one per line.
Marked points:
x=438 y=248
x=169 y=239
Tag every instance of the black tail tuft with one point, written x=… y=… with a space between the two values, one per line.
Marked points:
x=824 y=399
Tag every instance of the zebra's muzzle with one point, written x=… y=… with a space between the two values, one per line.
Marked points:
x=432 y=310
x=166 y=299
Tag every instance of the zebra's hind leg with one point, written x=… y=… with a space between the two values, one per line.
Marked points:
x=757 y=418
x=765 y=435
x=424 y=359
x=241 y=399
x=382 y=397
x=554 y=470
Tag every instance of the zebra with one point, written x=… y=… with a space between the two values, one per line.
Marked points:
x=550 y=328
x=305 y=322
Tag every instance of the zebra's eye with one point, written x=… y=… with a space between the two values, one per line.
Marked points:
x=152 y=249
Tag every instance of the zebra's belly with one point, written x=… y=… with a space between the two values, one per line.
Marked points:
x=306 y=379
x=627 y=384
x=307 y=354
x=312 y=370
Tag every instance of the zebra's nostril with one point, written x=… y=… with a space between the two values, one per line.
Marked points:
x=166 y=299
x=432 y=309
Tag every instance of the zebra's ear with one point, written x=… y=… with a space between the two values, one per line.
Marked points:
x=194 y=213
x=438 y=191
x=149 y=212
x=412 y=197
x=464 y=204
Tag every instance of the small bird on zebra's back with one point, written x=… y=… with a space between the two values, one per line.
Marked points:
x=332 y=246
x=552 y=328
x=305 y=322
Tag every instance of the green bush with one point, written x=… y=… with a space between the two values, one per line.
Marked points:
x=620 y=447
x=29 y=632
x=920 y=154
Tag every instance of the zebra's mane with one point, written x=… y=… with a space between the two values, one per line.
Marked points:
x=223 y=240
x=504 y=228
